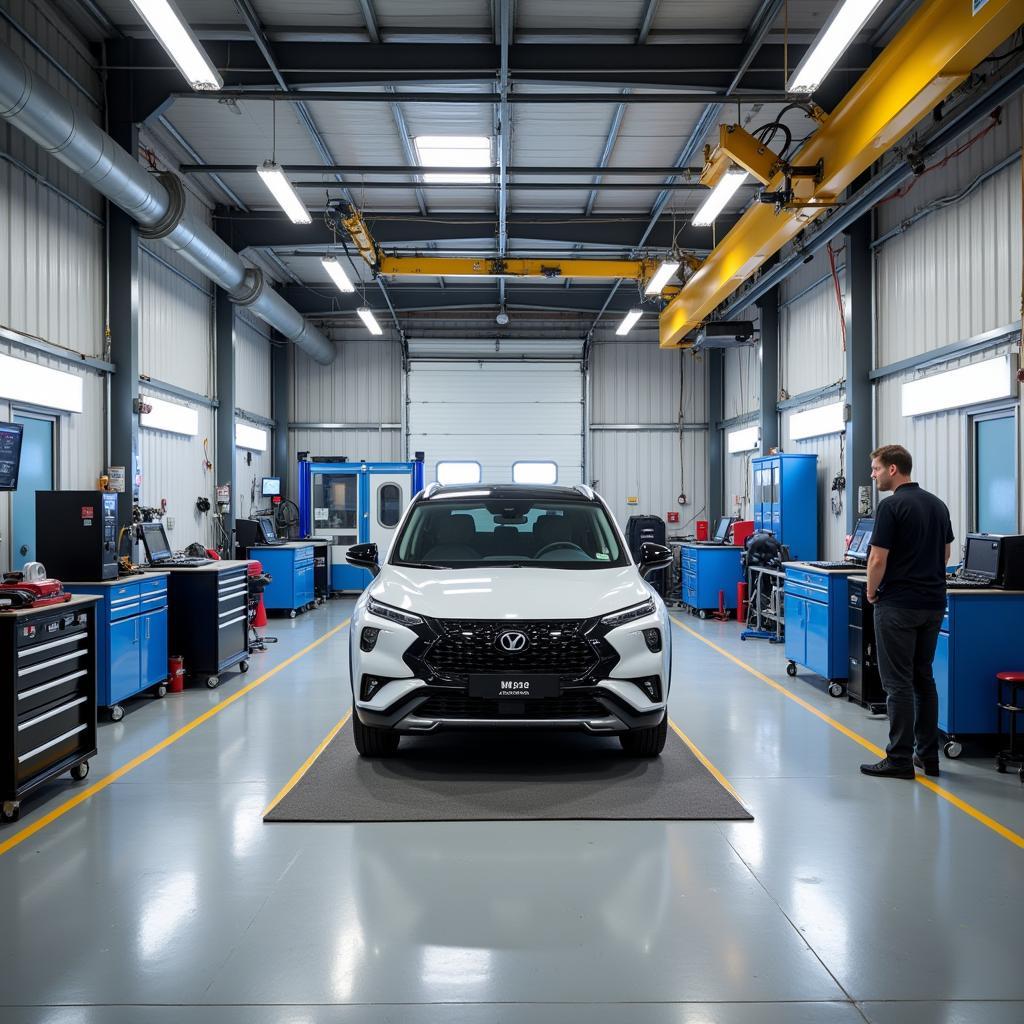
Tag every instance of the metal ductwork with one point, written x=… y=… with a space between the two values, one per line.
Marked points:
x=157 y=202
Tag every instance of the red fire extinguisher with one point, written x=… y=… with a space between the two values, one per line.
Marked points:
x=175 y=674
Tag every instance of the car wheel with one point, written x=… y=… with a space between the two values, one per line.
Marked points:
x=645 y=742
x=372 y=742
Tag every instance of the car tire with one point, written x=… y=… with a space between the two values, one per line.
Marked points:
x=645 y=742
x=372 y=742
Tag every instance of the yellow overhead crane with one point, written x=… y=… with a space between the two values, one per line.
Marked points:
x=925 y=61
x=383 y=264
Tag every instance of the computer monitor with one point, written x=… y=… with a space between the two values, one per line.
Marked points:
x=268 y=530
x=861 y=539
x=271 y=486
x=10 y=455
x=155 y=541
x=722 y=529
x=982 y=558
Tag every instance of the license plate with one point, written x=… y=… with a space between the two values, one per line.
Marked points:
x=514 y=686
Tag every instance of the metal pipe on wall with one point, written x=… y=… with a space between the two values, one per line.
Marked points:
x=157 y=204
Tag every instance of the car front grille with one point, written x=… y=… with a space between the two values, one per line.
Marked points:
x=468 y=646
x=472 y=708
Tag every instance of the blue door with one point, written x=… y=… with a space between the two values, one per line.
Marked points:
x=154 y=648
x=36 y=475
x=124 y=658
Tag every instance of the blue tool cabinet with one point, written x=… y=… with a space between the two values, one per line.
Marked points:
x=291 y=566
x=817 y=622
x=786 y=501
x=706 y=570
x=980 y=636
x=131 y=637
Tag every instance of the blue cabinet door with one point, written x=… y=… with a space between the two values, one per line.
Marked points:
x=154 y=647
x=940 y=670
x=125 y=644
x=816 y=630
x=796 y=631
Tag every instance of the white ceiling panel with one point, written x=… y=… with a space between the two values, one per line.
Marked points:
x=197 y=12
x=702 y=15
x=601 y=15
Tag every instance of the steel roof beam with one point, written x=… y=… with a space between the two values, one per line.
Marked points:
x=185 y=145
x=415 y=168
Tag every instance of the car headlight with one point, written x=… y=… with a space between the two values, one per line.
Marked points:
x=634 y=611
x=386 y=611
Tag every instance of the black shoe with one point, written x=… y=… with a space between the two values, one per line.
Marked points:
x=885 y=769
x=928 y=769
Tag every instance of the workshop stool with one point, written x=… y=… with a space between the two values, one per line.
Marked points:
x=1010 y=701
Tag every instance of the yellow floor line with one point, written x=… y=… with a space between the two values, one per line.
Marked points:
x=308 y=763
x=97 y=787
x=945 y=794
x=699 y=754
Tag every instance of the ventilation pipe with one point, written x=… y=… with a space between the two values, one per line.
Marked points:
x=157 y=202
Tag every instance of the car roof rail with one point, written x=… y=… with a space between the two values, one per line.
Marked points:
x=587 y=492
x=430 y=488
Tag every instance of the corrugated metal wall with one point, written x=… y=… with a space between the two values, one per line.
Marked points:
x=741 y=384
x=637 y=384
x=810 y=333
x=52 y=250
x=252 y=365
x=248 y=480
x=371 y=445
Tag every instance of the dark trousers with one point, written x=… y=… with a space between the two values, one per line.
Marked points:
x=906 y=639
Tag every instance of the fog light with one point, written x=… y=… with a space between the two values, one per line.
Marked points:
x=651 y=685
x=368 y=638
x=652 y=637
x=369 y=686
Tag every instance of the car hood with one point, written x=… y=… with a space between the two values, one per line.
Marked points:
x=511 y=594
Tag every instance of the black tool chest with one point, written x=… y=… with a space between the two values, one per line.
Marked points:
x=48 y=700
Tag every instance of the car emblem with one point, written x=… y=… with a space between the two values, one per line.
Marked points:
x=512 y=641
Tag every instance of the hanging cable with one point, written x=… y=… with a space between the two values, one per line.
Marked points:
x=839 y=293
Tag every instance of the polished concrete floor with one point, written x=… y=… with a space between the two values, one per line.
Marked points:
x=164 y=898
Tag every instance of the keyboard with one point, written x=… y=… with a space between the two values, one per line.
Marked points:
x=834 y=565
x=955 y=582
x=182 y=563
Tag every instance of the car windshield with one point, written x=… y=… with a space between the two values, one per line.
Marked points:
x=473 y=532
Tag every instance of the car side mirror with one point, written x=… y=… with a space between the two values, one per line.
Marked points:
x=654 y=557
x=365 y=556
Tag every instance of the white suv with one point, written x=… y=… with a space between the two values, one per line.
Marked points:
x=509 y=606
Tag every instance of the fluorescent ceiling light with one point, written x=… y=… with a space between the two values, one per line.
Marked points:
x=825 y=419
x=454 y=151
x=338 y=275
x=661 y=277
x=459 y=473
x=966 y=385
x=250 y=437
x=746 y=439
x=176 y=419
x=628 y=321
x=534 y=473
x=22 y=381
x=720 y=195
x=366 y=315
x=836 y=35
x=171 y=30
x=281 y=189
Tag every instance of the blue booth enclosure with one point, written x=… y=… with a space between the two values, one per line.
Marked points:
x=347 y=503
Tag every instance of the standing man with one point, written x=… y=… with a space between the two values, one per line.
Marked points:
x=910 y=547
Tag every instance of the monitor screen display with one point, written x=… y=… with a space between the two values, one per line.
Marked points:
x=155 y=541
x=10 y=455
x=271 y=486
x=982 y=556
x=861 y=540
x=267 y=529
x=722 y=530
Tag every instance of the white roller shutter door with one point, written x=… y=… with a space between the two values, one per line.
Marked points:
x=497 y=414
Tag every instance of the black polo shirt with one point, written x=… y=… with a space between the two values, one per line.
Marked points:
x=913 y=525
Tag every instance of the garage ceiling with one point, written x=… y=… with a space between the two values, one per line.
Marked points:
x=590 y=84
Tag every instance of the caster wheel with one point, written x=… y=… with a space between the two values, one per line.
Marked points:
x=116 y=713
x=80 y=771
x=836 y=689
x=292 y=614
x=213 y=682
x=160 y=691
x=743 y=638
x=791 y=669
x=953 y=750
x=1000 y=766
x=1020 y=773
x=243 y=666
x=11 y=810
x=702 y=614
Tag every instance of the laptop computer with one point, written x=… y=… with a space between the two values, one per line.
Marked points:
x=721 y=532
x=856 y=556
x=158 y=549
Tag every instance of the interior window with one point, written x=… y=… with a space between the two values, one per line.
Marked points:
x=389 y=505
x=458 y=472
x=534 y=473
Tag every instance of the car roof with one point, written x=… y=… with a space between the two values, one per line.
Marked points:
x=534 y=492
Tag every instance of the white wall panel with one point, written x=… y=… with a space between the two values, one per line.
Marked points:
x=637 y=382
x=652 y=466
x=829 y=449
x=249 y=479
x=741 y=381
x=252 y=365
x=172 y=468
x=810 y=331
x=362 y=385
x=737 y=483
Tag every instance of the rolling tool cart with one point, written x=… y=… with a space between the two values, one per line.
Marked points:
x=48 y=703
x=291 y=571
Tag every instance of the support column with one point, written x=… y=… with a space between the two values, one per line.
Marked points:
x=123 y=310
x=224 y=341
x=280 y=383
x=716 y=461
x=860 y=346
x=769 y=369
